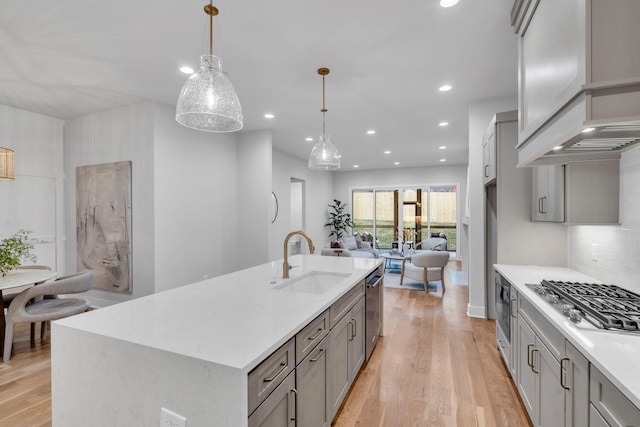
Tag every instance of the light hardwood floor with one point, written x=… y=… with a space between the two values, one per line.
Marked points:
x=434 y=367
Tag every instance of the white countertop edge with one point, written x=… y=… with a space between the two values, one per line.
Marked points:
x=600 y=347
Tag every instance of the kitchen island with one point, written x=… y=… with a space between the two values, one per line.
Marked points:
x=607 y=385
x=189 y=349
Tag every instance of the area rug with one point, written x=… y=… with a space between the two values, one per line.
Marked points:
x=392 y=280
x=459 y=278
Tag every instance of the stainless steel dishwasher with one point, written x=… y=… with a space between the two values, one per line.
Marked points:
x=372 y=301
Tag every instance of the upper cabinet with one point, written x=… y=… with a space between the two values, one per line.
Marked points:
x=578 y=69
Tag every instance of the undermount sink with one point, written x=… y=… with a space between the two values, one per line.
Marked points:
x=314 y=282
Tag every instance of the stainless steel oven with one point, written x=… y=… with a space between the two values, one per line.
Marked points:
x=372 y=303
x=503 y=301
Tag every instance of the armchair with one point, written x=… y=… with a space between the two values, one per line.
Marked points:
x=426 y=266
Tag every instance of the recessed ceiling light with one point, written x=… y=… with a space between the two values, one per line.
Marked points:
x=448 y=3
x=587 y=130
x=186 y=70
x=268 y=116
x=445 y=88
x=443 y=160
x=443 y=147
x=396 y=163
x=443 y=124
x=308 y=139
x=557 y=147
x=371 y=132
x=387 y=152
x=356 y=166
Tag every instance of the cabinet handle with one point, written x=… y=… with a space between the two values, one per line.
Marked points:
x=355 y=328
x=311 y=338
x=533 y=360
x=539 y=205
x=295 y=404
x=511 y=310
x=315 y=359
x=544 y=210
x=351 y=330
x=529 y=355
x=561 y=376
x=486 y=174
x=283 y=366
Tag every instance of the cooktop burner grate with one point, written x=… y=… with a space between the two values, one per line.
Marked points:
x=611 y=306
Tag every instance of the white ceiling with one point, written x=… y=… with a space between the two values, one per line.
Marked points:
x=387 y=59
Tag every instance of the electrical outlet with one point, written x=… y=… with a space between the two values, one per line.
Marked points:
x=594 y=252
x=171 y=419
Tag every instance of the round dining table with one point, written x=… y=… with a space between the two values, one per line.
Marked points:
x=20 y=278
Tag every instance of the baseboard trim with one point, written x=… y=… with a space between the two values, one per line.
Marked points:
x=476 y=311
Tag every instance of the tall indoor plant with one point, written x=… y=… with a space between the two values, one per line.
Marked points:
x=14 y=249
x=339 y=221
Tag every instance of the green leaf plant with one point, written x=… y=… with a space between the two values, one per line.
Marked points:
x=339 y=221
x=15 y=249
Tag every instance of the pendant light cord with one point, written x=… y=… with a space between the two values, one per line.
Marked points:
x=212 y=11
x=323 y=72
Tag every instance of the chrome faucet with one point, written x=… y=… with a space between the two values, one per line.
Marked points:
x=285 y=265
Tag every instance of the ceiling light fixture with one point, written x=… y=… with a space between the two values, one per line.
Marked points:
x=308 y=139
x=6 y=165
x=396 y=163
x=356 y=166
x=387 y=152
x=324 y=155
x=445 y=88
x=443 y=147
x=443 y=160
x=208 y=100
x=269 y=116
x=443 y=124
x=186 y=70
x=371 y=132
x=448 y=3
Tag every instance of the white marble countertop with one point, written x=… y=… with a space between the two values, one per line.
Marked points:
x=234 y=320
x=615 y=354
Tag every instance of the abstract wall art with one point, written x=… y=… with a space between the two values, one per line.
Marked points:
x=103 y=224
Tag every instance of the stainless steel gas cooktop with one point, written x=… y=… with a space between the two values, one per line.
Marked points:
x=607 y=307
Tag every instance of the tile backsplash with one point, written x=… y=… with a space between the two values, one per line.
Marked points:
x=618 y=248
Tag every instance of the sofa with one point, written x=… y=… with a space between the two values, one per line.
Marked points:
x=357 y=245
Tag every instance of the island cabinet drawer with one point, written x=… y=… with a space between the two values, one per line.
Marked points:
x=265 y=377
x=312 y=334
x=550 y=335
x=344 y=304
x=610 y=403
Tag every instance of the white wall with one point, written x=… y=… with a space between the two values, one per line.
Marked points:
x=253 y=177
x=195 y=212
x=117 y=135
x=345 y=182
x=34 y=200
x=318 y=187
x=480 y=114
x=618 y=248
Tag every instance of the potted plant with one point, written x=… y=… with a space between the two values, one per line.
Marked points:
x=14 y=249
x=339 y=221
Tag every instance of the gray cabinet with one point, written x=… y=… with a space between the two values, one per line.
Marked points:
x=278 y=410
x=553 y=376
x=311 y=387
x=609 y=407
x=547 y=203
x=346 y=355
x=489 y=155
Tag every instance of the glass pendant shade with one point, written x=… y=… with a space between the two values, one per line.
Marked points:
x=6 y=165
x=208 y=100
x=324 y=155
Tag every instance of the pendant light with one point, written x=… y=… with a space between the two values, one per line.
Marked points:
x=324 y=155
x=6 y=165
x=208 y=100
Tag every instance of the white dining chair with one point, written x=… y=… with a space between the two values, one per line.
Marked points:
x=426 y=266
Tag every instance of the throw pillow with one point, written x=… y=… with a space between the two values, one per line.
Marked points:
x=358 y=240
x=366 y=245
x=349 y=243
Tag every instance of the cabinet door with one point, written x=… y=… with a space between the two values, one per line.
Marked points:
x=489 y=158
x=575 y=368
x=357 y=340
x=312 y=390
x=338 y=361
x=526 y=375
x=547 y=202
x=551 y=394
x=278 y=410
